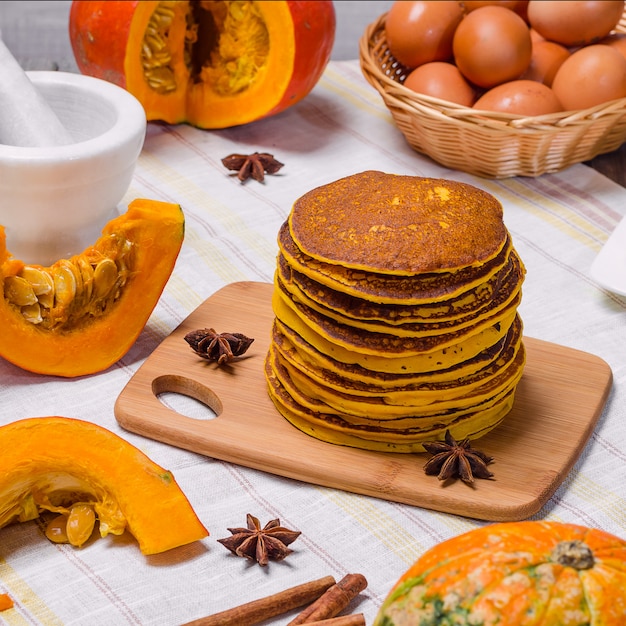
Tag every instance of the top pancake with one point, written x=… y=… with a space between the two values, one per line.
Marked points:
x=402 y=225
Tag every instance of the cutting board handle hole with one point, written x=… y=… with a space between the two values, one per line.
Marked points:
x=187 y=396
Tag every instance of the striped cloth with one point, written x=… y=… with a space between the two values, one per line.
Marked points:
x=559 y=223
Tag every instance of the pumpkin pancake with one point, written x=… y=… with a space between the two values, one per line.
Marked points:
x=390 y=353
x=400 y=225
x=332 y=429
x=395 y=313
x=388 y=288
x=507 y=279
x=385 y=429
x=509 y=294
x=288 y=339
x=364 y=409
x=390 y=424
x=419 y=392
x=465 y=343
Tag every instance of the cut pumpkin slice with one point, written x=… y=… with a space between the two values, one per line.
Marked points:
x=83 y=314
x=54 y=463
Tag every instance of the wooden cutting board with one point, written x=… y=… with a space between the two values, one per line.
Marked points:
x=558 y=402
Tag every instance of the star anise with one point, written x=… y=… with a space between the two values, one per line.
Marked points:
x=222 y=347
x=260 y=544
x=454 y=459
x=254 y=165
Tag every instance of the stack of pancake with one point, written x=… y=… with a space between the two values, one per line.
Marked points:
x=395 y=304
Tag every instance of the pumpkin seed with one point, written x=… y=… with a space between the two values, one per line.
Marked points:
x=87 y=274
x=155 y=42
x=32 y=313
x=155 y=55
x=64 y=286
x=71 y=288
x=237 y=10
x=56 y=530
x=19 y=291
x=75 y=527
x=80 y=299
x=40 y=280
x=146 y=53
x=104 y=277
x=161 y=79
x=80 y=524
x=46 y=300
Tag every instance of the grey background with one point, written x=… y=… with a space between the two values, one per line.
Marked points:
x=36 y=32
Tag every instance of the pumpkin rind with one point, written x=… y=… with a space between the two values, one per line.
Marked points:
x=154 y=231
x=50 y=462
x=505 y=574
x=107 y=40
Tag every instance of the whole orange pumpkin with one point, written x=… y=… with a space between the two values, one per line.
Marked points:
x=211 y=64
x=531 y=573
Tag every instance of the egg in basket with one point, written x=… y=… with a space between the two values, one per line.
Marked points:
x=568 y=115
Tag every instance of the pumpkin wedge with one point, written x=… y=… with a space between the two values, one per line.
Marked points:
x=58 y=464
x=210 y=64
x=529 y=573
x=81 y=315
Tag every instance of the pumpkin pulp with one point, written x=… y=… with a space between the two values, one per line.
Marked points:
x=82 y=314
x=219 y=53
x=57 y=464
x=212 y=64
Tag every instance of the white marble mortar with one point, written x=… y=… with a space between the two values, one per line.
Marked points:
x=55 y=200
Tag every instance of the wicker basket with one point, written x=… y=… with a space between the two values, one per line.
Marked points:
x=496 y=145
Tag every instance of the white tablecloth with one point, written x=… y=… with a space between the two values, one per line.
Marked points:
x=559 y=223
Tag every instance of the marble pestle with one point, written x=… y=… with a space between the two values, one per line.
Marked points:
x=26 y=119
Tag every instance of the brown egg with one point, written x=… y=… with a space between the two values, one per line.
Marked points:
x=421 y=31
x=535 y=36
x=590 y=76
x=520 y=97
x=546 y=58
x=491 y=46
x=441 y=80
x=617 y=41
x=574 y=23
x=519 y=6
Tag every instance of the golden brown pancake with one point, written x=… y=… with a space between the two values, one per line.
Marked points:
x=400 y=225
x=419 y=391
x=333 y=429
x=505 y=281
x=389 y=288
x=508 y=295
x=449 y=347
x=364 y=409
x=285 y=336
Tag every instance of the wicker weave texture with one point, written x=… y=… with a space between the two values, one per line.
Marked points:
x=492 y=145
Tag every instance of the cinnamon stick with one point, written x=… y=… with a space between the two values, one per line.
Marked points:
x=334 y=600
x=265 y=608
x=345 y=620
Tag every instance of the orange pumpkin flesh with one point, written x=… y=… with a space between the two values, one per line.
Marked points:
x=50 y=463
x=210 y=64
x=79 y=337
x=514 y=574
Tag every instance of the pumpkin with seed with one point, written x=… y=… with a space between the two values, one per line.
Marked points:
x=211 y=64
x=90 y=479
x=530 y=573
x=80 y=315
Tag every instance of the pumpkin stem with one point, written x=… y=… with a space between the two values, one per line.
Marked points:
x=574 y=554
